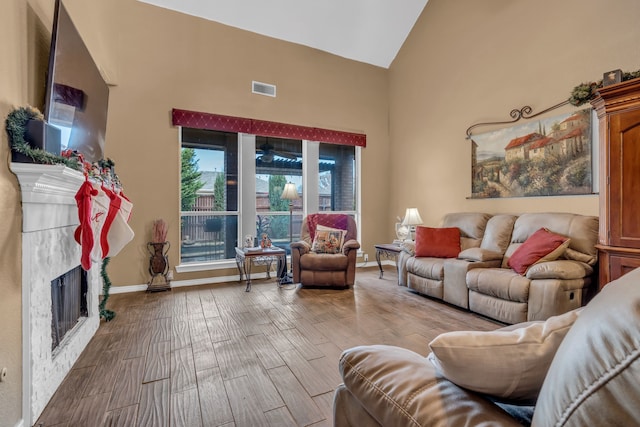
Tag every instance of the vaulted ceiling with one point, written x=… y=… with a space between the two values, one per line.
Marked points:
x=370 y=31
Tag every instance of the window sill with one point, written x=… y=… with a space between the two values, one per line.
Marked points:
x=206 y=266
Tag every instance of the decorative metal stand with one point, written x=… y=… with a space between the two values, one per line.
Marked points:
x=158 y=267
x=389 y=251
x=245 y=259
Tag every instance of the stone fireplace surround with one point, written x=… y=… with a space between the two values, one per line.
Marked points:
x=49 y=218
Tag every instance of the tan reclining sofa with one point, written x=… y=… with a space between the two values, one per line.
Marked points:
x=480 y=279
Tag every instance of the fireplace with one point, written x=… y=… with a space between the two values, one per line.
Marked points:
x=49 y=250
x=68 y=303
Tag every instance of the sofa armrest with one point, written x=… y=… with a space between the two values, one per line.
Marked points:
x=302 y=247
x=409 y=247
x=298 y=249
x=398 y=387
x=350 y=245
x=402 y=267
x=480 y=254
x=348 y=412
x=559 y=269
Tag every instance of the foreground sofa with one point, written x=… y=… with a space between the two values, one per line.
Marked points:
x=480 y=279
x=591 y=378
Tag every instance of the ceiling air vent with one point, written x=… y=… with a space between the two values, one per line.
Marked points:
x=263 y=89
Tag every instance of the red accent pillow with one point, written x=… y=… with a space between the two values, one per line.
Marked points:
x=543 y=245
x=438 y=242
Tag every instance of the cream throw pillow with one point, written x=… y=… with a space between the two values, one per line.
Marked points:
x=328 y=240
x=509 y=363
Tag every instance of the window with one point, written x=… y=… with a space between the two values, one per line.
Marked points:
x=337 y=178
x=231 y=187
x=278 y=162
x=209 y=195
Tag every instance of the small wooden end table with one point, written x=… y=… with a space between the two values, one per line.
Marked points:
x=388 y=250
x=246 y=257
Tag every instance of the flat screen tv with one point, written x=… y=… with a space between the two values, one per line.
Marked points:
x=77 y=97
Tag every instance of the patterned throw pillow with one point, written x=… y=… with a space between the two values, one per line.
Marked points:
x=339 y=221
x=328 y=240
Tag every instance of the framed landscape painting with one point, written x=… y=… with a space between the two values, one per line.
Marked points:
x=545 y=157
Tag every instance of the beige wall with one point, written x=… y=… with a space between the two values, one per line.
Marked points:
x=12 y=92
x=159 y=59
x=474 y=61
x=24 y=35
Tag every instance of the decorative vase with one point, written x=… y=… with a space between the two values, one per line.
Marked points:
x=402 y=231
x=158 y=262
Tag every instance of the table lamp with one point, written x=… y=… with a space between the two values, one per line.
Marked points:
x=411 y=219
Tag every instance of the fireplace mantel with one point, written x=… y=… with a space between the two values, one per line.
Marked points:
x=49 y=191
x=49 y=219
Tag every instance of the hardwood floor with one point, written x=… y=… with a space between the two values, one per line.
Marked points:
x=218 y=356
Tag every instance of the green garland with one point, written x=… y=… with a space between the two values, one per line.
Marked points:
x=16 y=126
x=585 y=92
x=106 y=285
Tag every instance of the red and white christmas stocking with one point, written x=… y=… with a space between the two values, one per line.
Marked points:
x=99 y=211
x=83 y=234
x=116 y=233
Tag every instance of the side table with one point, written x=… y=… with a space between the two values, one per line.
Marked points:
x=245 y=258
x=388 y=250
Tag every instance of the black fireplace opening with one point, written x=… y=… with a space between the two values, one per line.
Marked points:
x=68 y=303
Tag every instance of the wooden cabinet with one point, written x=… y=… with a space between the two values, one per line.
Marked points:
x=618 y=109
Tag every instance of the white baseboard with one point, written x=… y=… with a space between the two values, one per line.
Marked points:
x=217 y=279
x=374 y=263
x=182 y=283
x=20 y=424
x=125 y=289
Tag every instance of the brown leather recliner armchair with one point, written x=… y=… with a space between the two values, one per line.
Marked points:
x=320 y=269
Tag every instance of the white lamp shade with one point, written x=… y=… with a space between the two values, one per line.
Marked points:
x=412 y=217
x=289 y=192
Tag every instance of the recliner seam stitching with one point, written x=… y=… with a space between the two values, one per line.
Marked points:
x=599 y=382
x=384 y=394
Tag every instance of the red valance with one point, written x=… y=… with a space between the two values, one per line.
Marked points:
x=198 y=120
